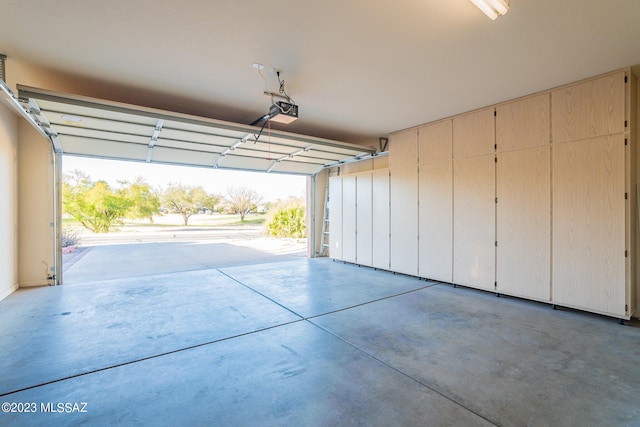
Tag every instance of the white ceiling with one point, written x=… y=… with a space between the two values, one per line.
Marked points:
x=358 y=69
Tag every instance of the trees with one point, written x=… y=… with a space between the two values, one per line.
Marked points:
x=187 y=200
x=145 y=201
x=94 y=204
x=242 y=200
x=98 y=207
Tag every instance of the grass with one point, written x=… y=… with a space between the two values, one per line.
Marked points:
x=175 y=221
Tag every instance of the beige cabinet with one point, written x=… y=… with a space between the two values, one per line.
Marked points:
x=474 y=133
x=594 y=195
x=435 y=194
x=474 y=222
x=335 y=217
x=364 y=219
x=380 y=219
x=589 y=109
x=523 y=204
x=589 y=225
x=523 y=223
x=349 y=218
x=536 y=198
x=403 y=163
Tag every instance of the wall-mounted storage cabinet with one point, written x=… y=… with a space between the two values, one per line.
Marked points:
x=474 y=222
x=359 y=218
x=435 y=196
x=523 y=204
x=536 y=198
x=349 y=216
x=595 y=195
x=335 y=217
x=364 y=219
x=403 y=164
x=380 y=219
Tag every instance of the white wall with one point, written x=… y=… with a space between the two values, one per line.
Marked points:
x=8 y=201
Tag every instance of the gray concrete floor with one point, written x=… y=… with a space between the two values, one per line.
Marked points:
x=308 y=342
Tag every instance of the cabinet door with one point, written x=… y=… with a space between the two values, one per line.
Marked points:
x=474 y=133
x=403 y=149
x=380 y=238
x=436 y=221
x=349 y=218
x=523 y=223
x=474 y=222
x=523 y=123
x=364 y=220
x=404 y=220
x=592 y=108
x=435 y=142
x=589 y=225
x=335 y=217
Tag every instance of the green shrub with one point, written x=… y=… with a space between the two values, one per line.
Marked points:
x=288 y=221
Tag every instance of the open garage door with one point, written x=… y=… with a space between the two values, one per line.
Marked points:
x=89 y=127
x=92 y=127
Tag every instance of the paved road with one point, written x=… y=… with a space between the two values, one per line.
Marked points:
x=178 y=235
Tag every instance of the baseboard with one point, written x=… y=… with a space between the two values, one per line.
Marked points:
x=5 y=293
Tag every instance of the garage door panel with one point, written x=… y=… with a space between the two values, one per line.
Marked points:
x=295 y=168
x=203 y=138
x=103 y=148
x=99 y=134
x=88 y=123
x=182 y=157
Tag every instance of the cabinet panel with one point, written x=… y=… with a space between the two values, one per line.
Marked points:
x=436 y=221
x=404 y=223
x=592 y=108
x=335 y=217
x=380 y=238
x=435 y=142
x=589 y=225
x=349 y=218
x=523 y=123
x=474 y=133
x=403 y=149
x=474 y=222
x=364 y=217
x=523 y=223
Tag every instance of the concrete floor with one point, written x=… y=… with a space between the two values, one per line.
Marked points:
x=309 y=342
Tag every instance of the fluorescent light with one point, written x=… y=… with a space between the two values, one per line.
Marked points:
x=492 y=8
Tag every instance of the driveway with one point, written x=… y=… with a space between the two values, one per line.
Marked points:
x=121 y=255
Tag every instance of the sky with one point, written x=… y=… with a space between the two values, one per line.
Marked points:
x=272 y=186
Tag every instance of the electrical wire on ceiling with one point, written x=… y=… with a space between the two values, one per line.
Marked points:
x=282 y=91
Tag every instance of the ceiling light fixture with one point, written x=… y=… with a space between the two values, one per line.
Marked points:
x=492 y=8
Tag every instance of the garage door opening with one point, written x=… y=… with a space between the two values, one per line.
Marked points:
x=82 y=127
x=175 y=218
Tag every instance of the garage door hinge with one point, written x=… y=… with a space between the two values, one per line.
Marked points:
x=495 y=146
x=496 y=200
x=625 y=123
x=626 y=79
x=626 y=308
x=626 y=195
x=626 y=141
x=626 y=254
x=495 y=113
x=496 y=243
x=496 y=160
x=495 y=285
